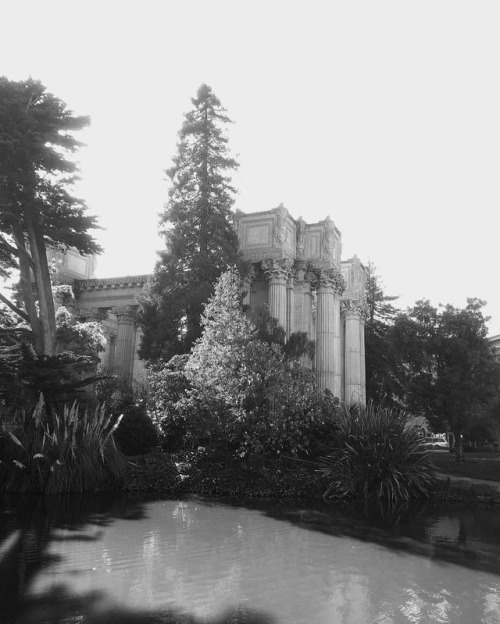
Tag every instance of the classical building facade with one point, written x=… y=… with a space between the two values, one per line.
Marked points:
x=296 y=270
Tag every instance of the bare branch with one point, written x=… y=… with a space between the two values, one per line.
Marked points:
x=14 y=308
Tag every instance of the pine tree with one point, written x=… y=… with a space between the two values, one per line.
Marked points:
x=37 y=208
x=197 y=225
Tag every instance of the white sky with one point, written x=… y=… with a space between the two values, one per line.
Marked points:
x=384 y=115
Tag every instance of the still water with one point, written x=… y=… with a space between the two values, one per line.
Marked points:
x=128 y=561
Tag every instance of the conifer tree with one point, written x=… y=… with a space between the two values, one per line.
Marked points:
x=37 y=207
x=197 y=225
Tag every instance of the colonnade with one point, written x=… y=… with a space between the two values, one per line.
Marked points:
x=122 y=340
x=334 y=322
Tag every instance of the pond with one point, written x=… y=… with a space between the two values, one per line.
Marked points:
x=131 y=560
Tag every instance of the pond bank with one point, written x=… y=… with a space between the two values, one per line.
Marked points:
x=157 y=473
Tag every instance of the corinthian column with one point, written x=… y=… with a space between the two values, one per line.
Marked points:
x=354 y=392
x=125 y=342
x=363 y=358
x=290 y=304
x=303 y=300
x=277 y=272
x=328 y=361
x=324 y=335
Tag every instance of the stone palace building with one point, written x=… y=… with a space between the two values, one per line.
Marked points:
x=297 y=271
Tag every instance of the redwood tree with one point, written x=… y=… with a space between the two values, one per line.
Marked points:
x=198 y=228
x=37 y=205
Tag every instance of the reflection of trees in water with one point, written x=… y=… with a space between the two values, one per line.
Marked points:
x=29 y=525
x=233 y=554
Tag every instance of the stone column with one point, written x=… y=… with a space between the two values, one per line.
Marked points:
x=247 y=286
x=325 y=373
x=353 y=378
x=303 y=300
x=139 y=372
x=108 y=357
x=337 y=347
x=363 y=358
x=277 y=272
x=329 y=286
x=290 y=304
x=125 y=343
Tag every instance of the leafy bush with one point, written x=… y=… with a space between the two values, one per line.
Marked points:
x=238 y=394
x=137 y=434
x=167 y=385
x=54 y=453
x=244 y=393
x=377 y=454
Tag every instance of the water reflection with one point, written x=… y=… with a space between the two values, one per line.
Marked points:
x=188 y=561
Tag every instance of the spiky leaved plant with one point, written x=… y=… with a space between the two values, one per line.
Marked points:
x=377 y=454
x=67 y=452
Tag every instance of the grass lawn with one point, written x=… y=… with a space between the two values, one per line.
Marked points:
x=476 y=466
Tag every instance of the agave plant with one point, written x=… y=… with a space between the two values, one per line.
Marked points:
x=377 y=454
x=69 y=451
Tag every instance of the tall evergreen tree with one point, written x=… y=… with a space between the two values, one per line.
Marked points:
x=197 y=224
x=380 y=365
x=37 y=207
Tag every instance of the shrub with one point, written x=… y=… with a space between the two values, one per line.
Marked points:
x=245 y=394
x=377 y=454
x=167 y=386
x=65 y=452
x=137 y=434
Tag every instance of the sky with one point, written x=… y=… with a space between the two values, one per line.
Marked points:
x=383 y=115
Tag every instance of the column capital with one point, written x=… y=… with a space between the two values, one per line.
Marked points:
x=326 y=279
x=354 y=308
x=277 y=269
x=126 y=313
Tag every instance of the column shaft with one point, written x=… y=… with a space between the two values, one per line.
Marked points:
x=353 y=391
x=325 y=331
x=125 y=344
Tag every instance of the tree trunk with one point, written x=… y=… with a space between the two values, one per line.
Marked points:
x=47 y=315
x=27 y=289
x=459 y=447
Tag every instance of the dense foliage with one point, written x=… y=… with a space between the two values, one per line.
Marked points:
x=38 y=209
x=238 y=392
x=445 y=365
x=377 y=454
x=137 y=433
x=56 y=453
x=381 y=372
x=24 y=375
x=197 y=224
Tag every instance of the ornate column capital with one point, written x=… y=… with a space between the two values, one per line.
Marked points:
x=277 y=269
x=354 y=308
x=125 y=314
x=326 y=279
